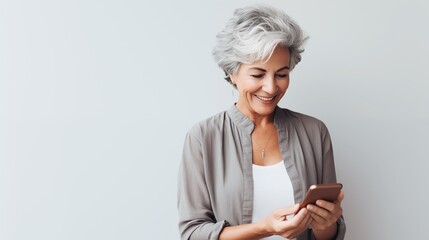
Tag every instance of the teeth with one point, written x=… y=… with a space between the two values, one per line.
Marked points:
x=264 y=98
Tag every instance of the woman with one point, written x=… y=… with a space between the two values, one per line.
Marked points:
x=244 y=169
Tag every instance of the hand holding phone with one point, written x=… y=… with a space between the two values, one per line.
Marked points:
x=327 y=192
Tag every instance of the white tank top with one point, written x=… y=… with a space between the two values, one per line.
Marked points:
x=272 y=189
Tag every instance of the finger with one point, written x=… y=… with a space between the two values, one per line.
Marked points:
x=299 y=222
x=331 y=206
x=334 y=209
x=325 y=214
x=286 y=211
x=299 y=216
x=306 y=222
x=317 y=219
x=295 y=220
x=326 y=205
x=303 y=221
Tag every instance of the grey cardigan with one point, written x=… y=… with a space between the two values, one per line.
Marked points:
x=215 y=185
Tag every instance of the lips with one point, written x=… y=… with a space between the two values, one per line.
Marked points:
x=265 y=98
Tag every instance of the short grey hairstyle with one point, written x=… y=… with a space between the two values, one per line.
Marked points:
x=252 y=34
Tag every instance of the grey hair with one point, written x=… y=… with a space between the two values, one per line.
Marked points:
x=252 y=34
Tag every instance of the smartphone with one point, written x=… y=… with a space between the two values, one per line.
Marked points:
x=327 y=192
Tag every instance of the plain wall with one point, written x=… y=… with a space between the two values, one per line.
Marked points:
x=96 y=98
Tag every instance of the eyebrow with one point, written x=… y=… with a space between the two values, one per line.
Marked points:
x=263 y=70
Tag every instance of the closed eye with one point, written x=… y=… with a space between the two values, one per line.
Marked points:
x=282 y=75
x=258 y=76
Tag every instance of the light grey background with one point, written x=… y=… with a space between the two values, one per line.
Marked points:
x=97 y=96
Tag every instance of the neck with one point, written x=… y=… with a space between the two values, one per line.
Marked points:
x=257 y=119
x=263 y=121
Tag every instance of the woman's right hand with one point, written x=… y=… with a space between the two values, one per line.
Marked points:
x=278 y=224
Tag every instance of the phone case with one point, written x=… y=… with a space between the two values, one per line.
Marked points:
x=327 y=192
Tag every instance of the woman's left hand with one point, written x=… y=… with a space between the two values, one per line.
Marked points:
x=324 y=214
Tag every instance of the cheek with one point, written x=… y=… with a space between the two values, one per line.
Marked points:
x=283 y=88
x=285 y=85
x=248 y=88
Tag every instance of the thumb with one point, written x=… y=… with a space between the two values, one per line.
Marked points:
x=287 y=210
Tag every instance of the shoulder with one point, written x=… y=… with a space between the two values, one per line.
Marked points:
x=300 y=120
x=209 y=126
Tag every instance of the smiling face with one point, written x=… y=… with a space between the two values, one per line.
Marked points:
x=261 y=85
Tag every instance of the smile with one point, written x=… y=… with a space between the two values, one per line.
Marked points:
x=265 y=98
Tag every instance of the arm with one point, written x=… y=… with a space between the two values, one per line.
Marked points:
x=328 y=222
x=275 y=224
x=196 y=218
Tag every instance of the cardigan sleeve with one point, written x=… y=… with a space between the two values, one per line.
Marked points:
x=196 y=218
x=323 y=153
x=328 y=165
x=329 y=174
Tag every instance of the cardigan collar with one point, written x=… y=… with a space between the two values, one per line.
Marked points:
x=245 y=123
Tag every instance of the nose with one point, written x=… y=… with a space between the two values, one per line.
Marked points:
x=270 y=85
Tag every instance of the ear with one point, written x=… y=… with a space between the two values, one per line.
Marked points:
x=232 y=77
